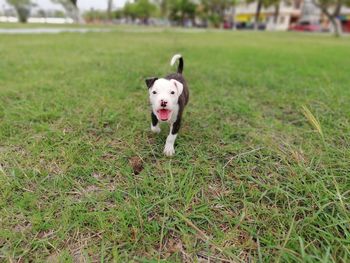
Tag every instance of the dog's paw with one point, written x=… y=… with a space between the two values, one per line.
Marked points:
x=169 y=150
x=155 y=129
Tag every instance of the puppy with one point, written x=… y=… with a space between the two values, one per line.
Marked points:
x=168 y=97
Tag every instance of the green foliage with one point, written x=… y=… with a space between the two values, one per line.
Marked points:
x=142 y=9
x=215 y=19
x=182 y=10
x=268 y=3
x=118 y=13
x=214 y=10
x=163 y=6
x=92 y=15
x=179 y=10
x=218 y=6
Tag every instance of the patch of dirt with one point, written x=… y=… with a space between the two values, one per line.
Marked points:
x=24 y=227
x=51 y=166
x=97 y=176
x=91 y=189
x=45 y=234
x=136 y=164
x=173 y=246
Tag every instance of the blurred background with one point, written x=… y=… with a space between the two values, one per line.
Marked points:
x=275 y=15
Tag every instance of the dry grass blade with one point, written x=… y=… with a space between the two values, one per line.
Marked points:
x=241 y=154
x=312 y=120
x=202 y=235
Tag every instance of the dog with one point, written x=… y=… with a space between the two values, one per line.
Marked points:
x=168 y=97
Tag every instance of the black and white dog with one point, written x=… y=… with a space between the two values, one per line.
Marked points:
x=168 y=97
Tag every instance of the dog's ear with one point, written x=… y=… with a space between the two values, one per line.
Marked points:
x=177 y=85
x=150 y=82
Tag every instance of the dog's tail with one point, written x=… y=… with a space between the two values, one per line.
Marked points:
x=180 y=68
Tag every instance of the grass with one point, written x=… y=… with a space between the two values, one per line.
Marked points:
x=261 y=172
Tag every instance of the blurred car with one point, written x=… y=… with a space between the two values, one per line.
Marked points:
x=345 y=23
x=227 y=25
x=246 y=26
x=306 y=26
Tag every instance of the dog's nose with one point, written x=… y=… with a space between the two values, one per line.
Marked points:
x=163 y=103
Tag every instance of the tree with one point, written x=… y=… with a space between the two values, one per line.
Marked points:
x=216 y=9
x=141 y=9
x=163 y=7
x=71 y=7
x=109 y=9
x=259 y=5
x=144 y=9
x=180 y=10
x=276 y=5
x=202 y=12
x=331 y=9
x=264 y=3
x=257 y=14
x=95 y=15
x=22 y=8
x=130 y=10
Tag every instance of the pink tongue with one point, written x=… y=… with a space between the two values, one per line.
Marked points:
x=164 y=114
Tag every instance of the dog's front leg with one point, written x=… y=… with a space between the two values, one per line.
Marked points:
x=155 y=124
x=169 y=149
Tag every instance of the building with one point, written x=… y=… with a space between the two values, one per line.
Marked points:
x=345 y=19
x=289 y=14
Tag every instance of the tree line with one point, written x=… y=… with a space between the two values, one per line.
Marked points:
x=179 y=12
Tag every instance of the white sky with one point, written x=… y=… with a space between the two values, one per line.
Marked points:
x=83 y=4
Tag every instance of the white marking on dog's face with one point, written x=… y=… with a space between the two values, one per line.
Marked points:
x=164 y=96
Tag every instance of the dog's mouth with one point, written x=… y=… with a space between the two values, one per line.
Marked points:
x=164 y=114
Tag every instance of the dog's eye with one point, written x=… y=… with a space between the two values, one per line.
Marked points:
x=154 y=92
x=173 y=92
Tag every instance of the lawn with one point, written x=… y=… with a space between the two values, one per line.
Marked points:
x=261 y=171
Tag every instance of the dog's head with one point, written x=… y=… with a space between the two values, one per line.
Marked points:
x=164 y=95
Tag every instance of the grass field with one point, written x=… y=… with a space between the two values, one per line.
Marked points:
x=261 y=172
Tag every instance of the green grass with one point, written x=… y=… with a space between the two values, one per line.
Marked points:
x=261 y=172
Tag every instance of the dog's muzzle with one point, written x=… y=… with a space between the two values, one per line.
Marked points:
x=164 y=114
